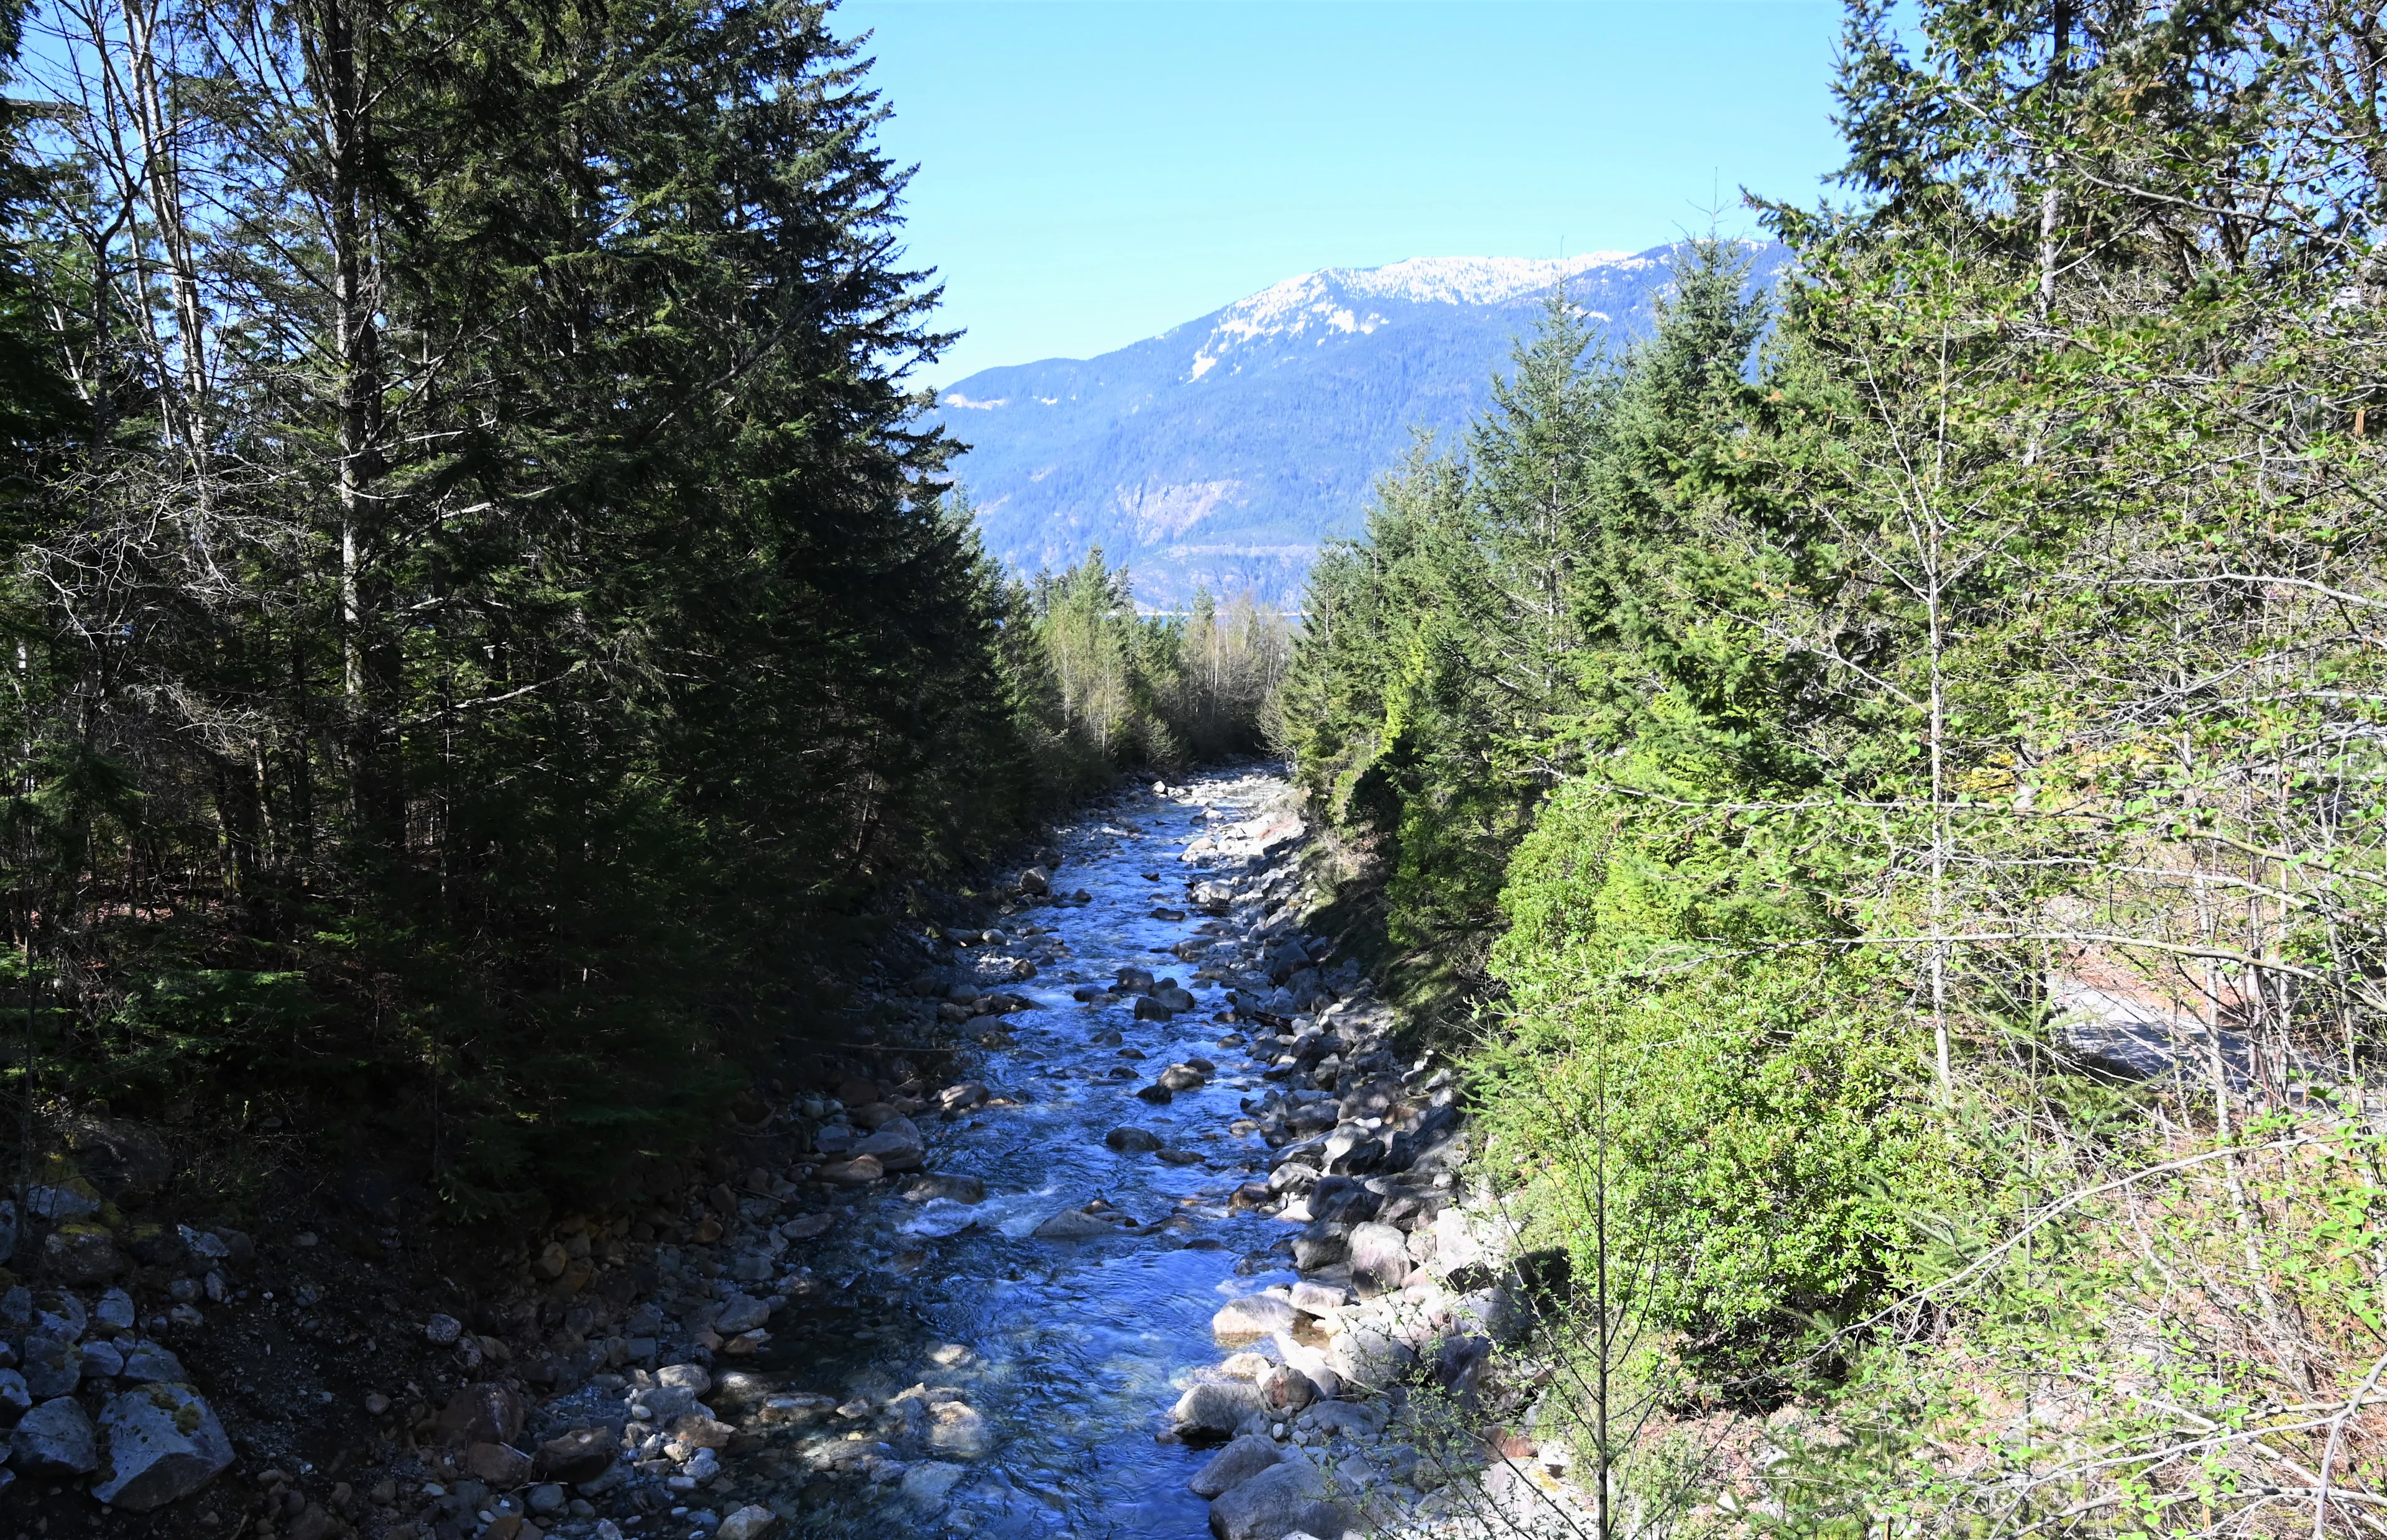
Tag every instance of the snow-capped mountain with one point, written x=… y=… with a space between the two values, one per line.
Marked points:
x=1224 y=450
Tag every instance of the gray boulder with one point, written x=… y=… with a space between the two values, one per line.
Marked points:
x=54 y=1439
x=1216 y=1407
x=897 y=1145
x=1234 y=1465
x=1289 y=1495
x=52 y=1366
x=1132 y=1141
x=1073 y=1224
x=1321 y=1245
x=164 y=1444
x=15 y=1400
x=1253 y=1315
x=147 y=1364
x=1366 y=1353
x=1380 y=1258
x=742 y=1313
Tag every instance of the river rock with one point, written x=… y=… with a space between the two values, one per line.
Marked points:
x=1073 y=1224
x=740 y=1313
x=578 y=1455
x=1216 y=1407
x=1036 y=881
x=897 y=1145
x=55 y=1439
x=1287 y=1389
x=750 y=1522
x=1132 y=1140
x=1180 y=1076
x=1234 y=1465
x=1158 y=1095
x=502 y=1465
x=1365 y=1353
x=1341 y=1201
x=1149 y=1009
x=1253 y=1315
x=947 y=1188
x=1380 y=1259
x=927 y=1484
x=15 y=1400
x=1321 y=1245
x=962 y=1097
x=958 y=1428
x=102 y=1361
x=1286 y=1496
x=484 y=1412
x=1320 y=1299
x=861 y=1171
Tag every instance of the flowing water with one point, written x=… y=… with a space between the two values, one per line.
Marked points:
x=1072 y=1351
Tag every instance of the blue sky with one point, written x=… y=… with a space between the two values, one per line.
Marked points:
x=1092 y=173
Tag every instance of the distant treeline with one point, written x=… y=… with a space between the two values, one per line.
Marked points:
x=483 y=631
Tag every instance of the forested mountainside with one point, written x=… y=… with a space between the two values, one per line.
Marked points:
x=1221 y=453
x=486 y=639
x=1899 y=791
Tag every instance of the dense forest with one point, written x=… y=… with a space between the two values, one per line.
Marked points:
x=1884 y=775
x=486 y=635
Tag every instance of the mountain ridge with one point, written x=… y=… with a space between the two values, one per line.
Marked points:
x=1221 y=453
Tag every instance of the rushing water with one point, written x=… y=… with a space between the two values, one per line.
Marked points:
x=1072 y=1350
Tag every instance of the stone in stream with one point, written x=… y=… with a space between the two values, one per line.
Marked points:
x=1252 y=1317
x=1132 y=1140
x=1175 y=1156
x=1215 y=1407
x=1167 y=915
x=750 y=1522
x=1183 y=1076
x=804 y=1227
x=1074 y=1224
x=1318 y=1299
x=1149 y=1009
x=959 y=1429
x=960 y=1098
x=1234 y=1465
x=951 y=1188
x=1287 y=1496
x=927 y=1484
x=1036 y=881
x=1380 y=1259
x=1157 y=1094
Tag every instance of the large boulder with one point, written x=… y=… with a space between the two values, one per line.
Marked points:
x=897 y=1145
x=1253 y=1315
x=1367 y=1353
x=1289 y=1495
x=52 y=1366
x=1321 y=1245
x=1132 y=1140
x=1216 y=1407
x=81 y=1254
x=1234 y=1465
x=1380 y=1259
x=55 y=1439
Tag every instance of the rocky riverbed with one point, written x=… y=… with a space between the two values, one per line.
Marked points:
x=1176 y=1245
